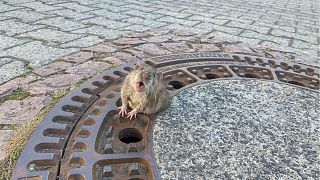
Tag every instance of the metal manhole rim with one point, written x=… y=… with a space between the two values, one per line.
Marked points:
x=60 y=138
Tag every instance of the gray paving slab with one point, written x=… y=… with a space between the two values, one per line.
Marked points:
x=11 y=69
x=37 y=54
x=239 y=130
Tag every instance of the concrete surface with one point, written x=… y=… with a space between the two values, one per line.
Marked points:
x=240 y=130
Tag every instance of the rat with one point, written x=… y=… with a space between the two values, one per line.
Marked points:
x=143 y=92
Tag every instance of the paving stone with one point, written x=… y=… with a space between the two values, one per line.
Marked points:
x=72 y=14
x=125 y=57
x=101 y=48
x=88 y=68
x=7 y=42
x=177 y=47
x=110 y=15
x=51 y=35
x=21 y=111
x=152 y=49
x=11 y=70
x=205 y=47
x=153 y=39
x=105 y=22
x=52 y=68
x=184 y=22
x=231 y=38
x=5 y=135
x=5 y=7
x=112 y=60
x=40 y=55
x=38 y=6
x=281 y=33
x=141 y=14
x=53 y=83
x=83 y=42
x=102 y=32
x=13 y=84
x=79 y=57
x=62 y=23
x=128 y=41
x=5 y=61
x=145 y=22
x=281 y=41
x=173 y=14
x=213 y=27
x=12 y=27
x=76 y=7
x=26 y=15
x=232 y=48
x=207 y=19
x=137 y=28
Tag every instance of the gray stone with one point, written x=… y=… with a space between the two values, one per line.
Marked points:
x=102 y=32
x=105 y=22
x=38 y=6
x=40 y=55
x=26 y=15
x=5 y=61
x=7 y=42
x=76 y=7
x=62 y=23
x=13 y=27
x=74 y=15
x=83 y=42
x=51 y=35
x=11 y=70
x=239 y=130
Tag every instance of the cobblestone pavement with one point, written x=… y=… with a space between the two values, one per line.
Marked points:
x=50 y=45
x=35 y=33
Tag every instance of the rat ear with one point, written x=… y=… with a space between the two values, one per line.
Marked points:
x=138 y=66
x=160 y=76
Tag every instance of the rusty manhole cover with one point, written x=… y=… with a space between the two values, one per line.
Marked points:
x=83 y=138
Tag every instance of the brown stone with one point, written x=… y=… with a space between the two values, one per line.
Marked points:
x=52 y=83
x=5 y=136
x=232 y=48
x=101 y=48
x=138 y=54
x=88 y=68
x=153 y=49
x=21 y=111
x=52 y=68
x=205 y=47
x=12 y=85
x=128 y=41
x=126 y=57
x=79 y=57
x=177 y=47
x=153 y=39
x=113 y=60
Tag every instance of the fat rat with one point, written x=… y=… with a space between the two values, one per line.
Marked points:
x=143 y=92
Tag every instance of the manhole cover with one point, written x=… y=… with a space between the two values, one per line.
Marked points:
x=83 y=138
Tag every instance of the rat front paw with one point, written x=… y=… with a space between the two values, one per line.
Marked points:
x=123 y=111
x=132 y=114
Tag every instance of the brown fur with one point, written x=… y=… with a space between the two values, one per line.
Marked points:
x=152 y=99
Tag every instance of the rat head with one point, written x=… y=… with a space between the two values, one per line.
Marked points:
x=145 y=79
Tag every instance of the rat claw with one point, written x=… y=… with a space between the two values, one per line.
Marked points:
x=132 y=114
x=123 y=111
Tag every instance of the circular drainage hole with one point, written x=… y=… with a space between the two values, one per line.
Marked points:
x=130 y=135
